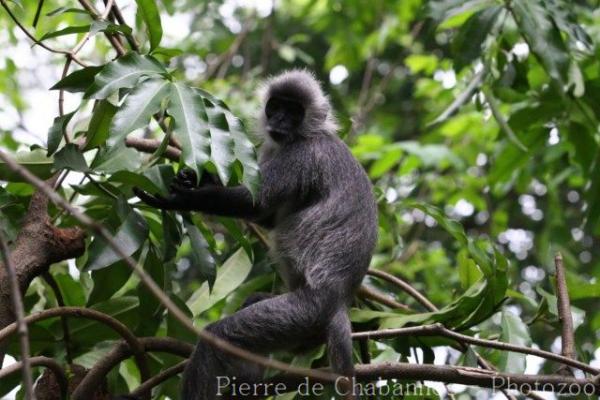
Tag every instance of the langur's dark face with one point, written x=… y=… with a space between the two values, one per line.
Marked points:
x=284 y=118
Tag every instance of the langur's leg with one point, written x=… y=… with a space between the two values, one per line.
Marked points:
x=268 y=325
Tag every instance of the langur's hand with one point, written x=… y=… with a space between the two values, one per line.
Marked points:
x=186 y=177
x=157 y=201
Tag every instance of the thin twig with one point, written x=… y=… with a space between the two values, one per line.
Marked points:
x=495 y=108
x=21 y=324
x=116 y=11
x=405 y=287
x=564 y=309
x=460 y=100
x=151 y=145
x=34 y=40
x=159 y=378
x=369 y=293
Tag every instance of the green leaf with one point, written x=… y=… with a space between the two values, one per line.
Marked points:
x=225 y=138
x=123 y=73
x=231 y=275
x=172 y=236
x=202 y=259
x=107 y=281
x=66 y=31
x=385 y=162
x=87 y=332
x=108 y=27
x=577 y=314
x=444 y=9
x=69 y=157
x=116 y=158
x=130 y=236
x=57 y=131
x=149 y=13
x=243 y=149
x=467 y=43
x=139 y=106
x=149 y=304
x=514 y=331
x=72 y=291
x=78 y=81
x=544 y=39
x=99 y=126
x=190 y=126
x=34 y=161
x=134 y=179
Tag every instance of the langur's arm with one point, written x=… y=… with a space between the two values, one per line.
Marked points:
x=216 y=200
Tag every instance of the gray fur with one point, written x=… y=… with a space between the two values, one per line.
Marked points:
x=318 y=204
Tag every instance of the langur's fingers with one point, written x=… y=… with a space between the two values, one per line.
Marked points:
x=179 y=188
x=156 y=201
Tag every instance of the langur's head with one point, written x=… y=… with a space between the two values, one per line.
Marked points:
x=296 y=108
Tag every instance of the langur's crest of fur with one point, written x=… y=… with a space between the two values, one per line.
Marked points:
x=302 y=86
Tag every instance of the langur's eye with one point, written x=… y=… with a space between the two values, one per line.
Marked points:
x=271 y=107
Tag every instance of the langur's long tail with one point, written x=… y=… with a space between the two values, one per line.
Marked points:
x=280 y=322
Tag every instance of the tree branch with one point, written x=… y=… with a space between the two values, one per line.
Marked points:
x=159 y=378
x=454 y=374
x=88 y=313
x=49 y=363
x=439 y=329
x=38 y=245
x=564 y=309
x=151 y=145
x=369 y=293
x=120 y=352
x=405 y=287
x=19 y=310
x=34 y=40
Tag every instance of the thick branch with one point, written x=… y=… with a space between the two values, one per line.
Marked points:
x=453 y=374
x=19 y=310
x=38 y=245
x=151 y=145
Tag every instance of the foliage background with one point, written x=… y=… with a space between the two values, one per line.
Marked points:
x=486 y=110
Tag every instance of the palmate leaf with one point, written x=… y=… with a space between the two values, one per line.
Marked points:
x=139 y=106
x=123 y=73
x=190 y=126
x=243 y=149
